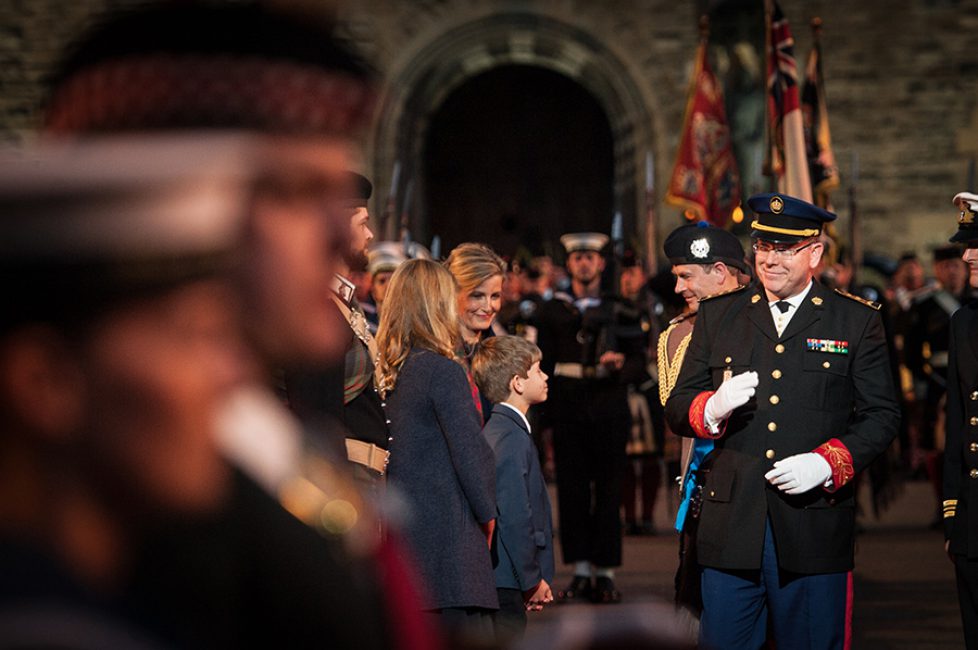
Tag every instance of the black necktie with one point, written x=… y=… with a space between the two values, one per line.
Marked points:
x=783 y=306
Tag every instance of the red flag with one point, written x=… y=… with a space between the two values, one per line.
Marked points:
x=705 y=179
x=786 y=161
x=818 y=141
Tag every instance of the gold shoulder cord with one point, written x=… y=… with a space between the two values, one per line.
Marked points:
x=669 y=368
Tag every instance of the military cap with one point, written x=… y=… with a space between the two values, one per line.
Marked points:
x=359 y=189
x=967 y=228
x=194 y=65
x=785 y=219
x=105 y=217
x=704 y=244
x=385 y=256
x=584 y=241
x=942 y=253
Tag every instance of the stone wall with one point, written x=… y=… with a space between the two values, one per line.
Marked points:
x=902 y=84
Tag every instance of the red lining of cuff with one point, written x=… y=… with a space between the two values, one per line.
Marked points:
x=697 y=417
x=839 y=459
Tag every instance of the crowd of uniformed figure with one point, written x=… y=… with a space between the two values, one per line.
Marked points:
x=231 y=418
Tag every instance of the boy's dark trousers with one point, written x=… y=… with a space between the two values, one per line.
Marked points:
x=510 y=619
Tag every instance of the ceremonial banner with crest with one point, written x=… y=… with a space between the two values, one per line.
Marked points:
x=818 y=141
x=705 y=179
x=787 y=161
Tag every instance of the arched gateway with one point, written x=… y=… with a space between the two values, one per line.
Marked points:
x=494 y=44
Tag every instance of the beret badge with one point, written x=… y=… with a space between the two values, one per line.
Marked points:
x=699 y=248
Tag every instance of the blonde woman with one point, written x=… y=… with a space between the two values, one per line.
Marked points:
x=479 y=273
x=440 y=463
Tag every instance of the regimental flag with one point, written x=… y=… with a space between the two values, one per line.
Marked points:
x=818 y=141
x=786 y=160
x=705 y=179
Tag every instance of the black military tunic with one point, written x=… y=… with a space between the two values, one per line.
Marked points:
x=825 y=382
x=588 y=410
x=961 y=463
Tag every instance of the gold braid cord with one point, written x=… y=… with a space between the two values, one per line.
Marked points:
x=669 y=368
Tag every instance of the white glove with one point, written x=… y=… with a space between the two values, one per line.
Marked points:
x=732 y=393
x=799 y=473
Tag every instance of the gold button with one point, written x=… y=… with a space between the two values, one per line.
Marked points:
x=776 y=374
x=775 y=399
x=772 y=426
x=826 y=364
x=974 y=396
x=779 y=348
x=973 y=421
x=769 y=454
x=727 y=360
x=973 y=473
x=713 y=493
x=973 y=446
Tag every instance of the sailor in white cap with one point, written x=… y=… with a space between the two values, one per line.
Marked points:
x=384 y=258
x=588 y=411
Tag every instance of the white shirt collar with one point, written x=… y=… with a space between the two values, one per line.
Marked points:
x=519 y=412
x=794 y=300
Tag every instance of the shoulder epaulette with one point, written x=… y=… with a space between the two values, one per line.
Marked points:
x=681 y=317
x=868 y=303
x=724 y=293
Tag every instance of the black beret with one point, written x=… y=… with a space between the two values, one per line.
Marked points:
x=704 y=244
x=360 y=189
x=785 y=219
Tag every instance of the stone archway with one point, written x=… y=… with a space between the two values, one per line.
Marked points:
x=422 y=85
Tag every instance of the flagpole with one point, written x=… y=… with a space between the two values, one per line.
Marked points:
x=651 y=245
x=767 y=168
x=855 y=238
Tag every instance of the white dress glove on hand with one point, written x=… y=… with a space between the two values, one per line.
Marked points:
x=732 y=393
x=799 y=473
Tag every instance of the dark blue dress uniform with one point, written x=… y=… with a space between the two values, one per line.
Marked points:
x=961 y=443
x=825 y=386
x=826 y=377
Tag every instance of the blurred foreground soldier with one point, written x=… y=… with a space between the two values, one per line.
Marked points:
x=707 y=262
x=384 y=258
x=961 y=452
x=588 y=409
x=118 y=346
x=792 y=384
x=253 y=575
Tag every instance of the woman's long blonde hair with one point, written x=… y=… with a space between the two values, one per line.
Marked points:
x=472 y=264
x=419 y=311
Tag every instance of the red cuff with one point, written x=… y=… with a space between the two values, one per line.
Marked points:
x=697 y=418
x=839 y=459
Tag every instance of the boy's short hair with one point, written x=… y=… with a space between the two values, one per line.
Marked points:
x=500 y=358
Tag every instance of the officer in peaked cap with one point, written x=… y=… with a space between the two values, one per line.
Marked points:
x=961 y=443
x=792 y=384
x=587 y=351
x=926 y=342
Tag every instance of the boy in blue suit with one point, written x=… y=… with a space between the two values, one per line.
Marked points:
x=507 y=371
